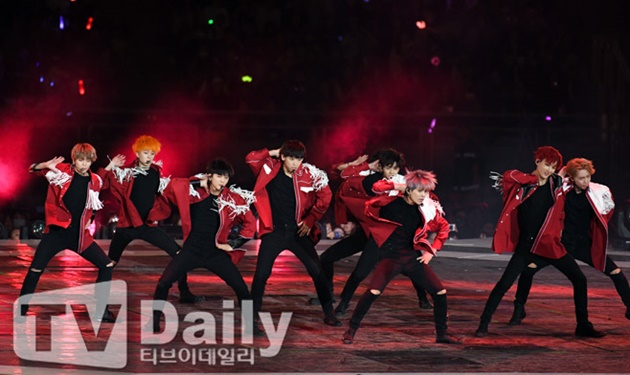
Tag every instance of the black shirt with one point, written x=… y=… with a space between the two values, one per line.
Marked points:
x=406 y=214
x=282 y=200
x=577 y=214
x=533 y=211
x=143 y=192
x=205 y=220
x=75 y=199
x=368 y=181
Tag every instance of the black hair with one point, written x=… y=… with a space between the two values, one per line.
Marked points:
x=220 y=167
x=293 y=148
x=387 y=157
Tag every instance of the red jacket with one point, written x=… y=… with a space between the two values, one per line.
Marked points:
x=603 y=204
x=547 y=243
x=350 y=197
x=233 y=204
x=432 y=214
x=120 y=183
x=55 y=209
x=311 y=188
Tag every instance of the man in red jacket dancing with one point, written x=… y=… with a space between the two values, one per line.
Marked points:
x=399 y=226
x=139 y=188
x=290 y=197
x=588 y=207
x=209 y=211
x=72 y=198
x=529 y=225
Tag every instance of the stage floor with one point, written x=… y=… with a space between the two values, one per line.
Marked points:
x=396 y=336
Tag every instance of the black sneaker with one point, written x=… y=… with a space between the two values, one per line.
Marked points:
x=518 y=315
x=315 y=301
x=587 y=330
x=188 y=297
x=348 y=336
x=332 y=320
x=341 y=308
x=446 y=338
x=425 y=304
x=482 y=330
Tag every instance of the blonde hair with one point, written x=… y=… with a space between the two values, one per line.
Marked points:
x=577 y=164
x=83 y=150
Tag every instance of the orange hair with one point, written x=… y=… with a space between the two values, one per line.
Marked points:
x=146 y=142
x=577 y=164
x=83 y=150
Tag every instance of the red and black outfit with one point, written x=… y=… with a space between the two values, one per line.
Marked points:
x=206 y=221
x=283 y=203
x=70 y=204
x=356 y=189
x=350 y=199
x=530 y=224
x=140 y=194
x=400 y=232
x=585 y=237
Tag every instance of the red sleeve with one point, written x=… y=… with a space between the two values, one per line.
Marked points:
x=383 y=186
x=62 y=167
x=441 y=227
x=354 y=170
x=322 y=201
x=516 y=177
x=256 y=160
x=248 y=221
x=106 y=176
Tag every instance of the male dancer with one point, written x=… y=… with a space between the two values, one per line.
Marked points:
x=399 y=227
x=290 y=197
x=588 y=207
x=214 y=211
x=350 y=203
x=356 y=191
x=71 y=201
x=139 y=188
x=529 y=225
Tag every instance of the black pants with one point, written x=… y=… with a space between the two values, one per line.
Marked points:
x=56 y=241
x=153 y=235
x=342 y=249
x=520 y=261
x=271 y=246
x=580 y=248
x=420 y=273
x=367 y=261
x=189 y=259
